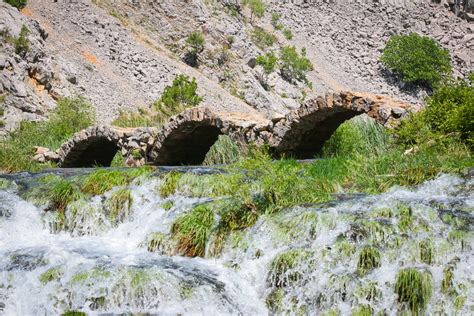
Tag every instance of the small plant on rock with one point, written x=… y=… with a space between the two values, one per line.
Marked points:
x=369 y=259
x=288 y=34
x=414 y=289
x=196 y=44
x=417 y=59
x=257 y=8
x=294 y=66
x=22 y=44
x=262 y=39
x=268 y=63
x=192 y=230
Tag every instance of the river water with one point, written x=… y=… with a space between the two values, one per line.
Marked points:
x=98 y=266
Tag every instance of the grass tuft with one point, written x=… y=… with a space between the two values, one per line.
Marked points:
x=282 y=268
x=224 y=151
x=169 y=184
x=414 y=289
x=119 y=205
x=192 y=231
x=369 y=259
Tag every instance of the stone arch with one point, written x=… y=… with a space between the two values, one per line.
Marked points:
x=303 y=132
x=95 y=146
x=187 y=138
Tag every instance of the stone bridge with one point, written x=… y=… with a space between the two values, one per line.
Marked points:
x=187 y=137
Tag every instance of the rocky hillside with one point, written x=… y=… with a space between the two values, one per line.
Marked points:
x=121 y=54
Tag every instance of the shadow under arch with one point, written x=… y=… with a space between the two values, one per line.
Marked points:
x=187 y=144
x=306 y=137
x=93 y=151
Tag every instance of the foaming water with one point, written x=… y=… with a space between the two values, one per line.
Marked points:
x=100 y=265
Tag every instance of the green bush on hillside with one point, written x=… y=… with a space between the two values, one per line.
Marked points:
x=449 y=112
x=257 y=8
x=180 y=95
x=417 y=59
x=262 y=38
x=70 y=116
x=294 y=66
x=22 y=45
x=19 y=4
x=196 y=43
x=268 y=63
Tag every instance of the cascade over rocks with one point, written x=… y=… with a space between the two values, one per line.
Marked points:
x=188 y=136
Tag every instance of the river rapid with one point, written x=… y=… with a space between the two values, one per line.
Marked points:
x=100 y=266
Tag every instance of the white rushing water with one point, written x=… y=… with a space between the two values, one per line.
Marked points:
x=100 y=266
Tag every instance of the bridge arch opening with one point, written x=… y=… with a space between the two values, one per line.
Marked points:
x=188 y=144
x=306 y=137
x=94 y=151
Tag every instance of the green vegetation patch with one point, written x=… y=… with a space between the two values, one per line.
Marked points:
x=369 y=259
x=414 y=289
x=417 y=59
x=262 y=38
x=70 y=116
x=283 y=268
x=426 y=251
x=224 y=151
x=169 y=184
x=19 y=4
x=294 y=66
x=50 y=275
x=363 y=310
x=119 y=205
x=192 y=230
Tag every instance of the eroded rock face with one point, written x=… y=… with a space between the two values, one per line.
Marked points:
x=187 y=138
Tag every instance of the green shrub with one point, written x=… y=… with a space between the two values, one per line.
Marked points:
x=417 y=59
x=262 y=39
x=196 y=44
x=192 y=230
x=449 y=112
x=177 y=97
x=19 y=4
x=22 y=44
x=414 y=289
x=70 y=116
x=268 y=63
x=293 y=66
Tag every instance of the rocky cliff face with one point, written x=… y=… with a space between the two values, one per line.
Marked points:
x=121 y=54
